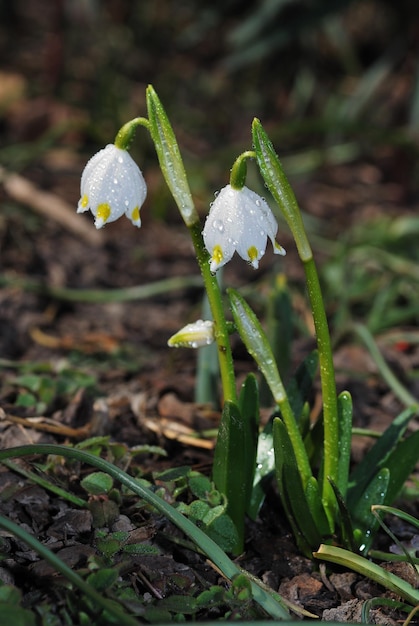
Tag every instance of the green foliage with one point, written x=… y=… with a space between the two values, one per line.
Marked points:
x=235 y=455
x=97 y=483
x=372 y=274
x=11 y=610
x=41 y=391
x=270 y=602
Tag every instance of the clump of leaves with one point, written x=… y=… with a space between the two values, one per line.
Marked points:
x=40 y=391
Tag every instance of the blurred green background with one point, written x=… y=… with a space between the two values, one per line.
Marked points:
x=335 y=83
x=319 y=73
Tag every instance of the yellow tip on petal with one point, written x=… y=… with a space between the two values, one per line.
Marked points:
x=135 y=215
x=217 y=255
x=279 y=249
x=84 y=202
x=253 y=256
x=103 y=212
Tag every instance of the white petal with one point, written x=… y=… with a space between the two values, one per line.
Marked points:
x=240 y=220
x=222 y=228
x=112 y=185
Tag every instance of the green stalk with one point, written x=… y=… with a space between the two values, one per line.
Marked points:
x=173 y=170
x=328 y=384
x=221 y=334
x=126 y=134
x=280 y=188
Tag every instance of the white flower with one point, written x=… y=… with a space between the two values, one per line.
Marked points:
x=196 y=335
x=112 y=185
x=239 y=220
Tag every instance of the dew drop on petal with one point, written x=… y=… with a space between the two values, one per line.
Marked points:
x=218 y=225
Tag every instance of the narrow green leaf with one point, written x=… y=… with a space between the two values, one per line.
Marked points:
x=315 y=505
x=169 y=157
x=230 y=466
x=291 y=490
x=277 y=182
x=365 y=567
x=301 y=384
x=279 y=323
x=249 y=409
x=257 y=344
x=401 y=464
x=265 y=465
x=362 y=517
x=390 y=510
x=345 y=440
x=377 y=457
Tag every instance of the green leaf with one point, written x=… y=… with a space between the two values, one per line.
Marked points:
x=97 y=483
x=363 y=566
x=200 y=485
x=277 y=183
x=401 y=464
x=169 y=156
x=16 y=615
x=315 y=505
x=141 y=548
x=229 y=467
x=345 y=440
x=301 y=384
x=297 y=391
x=178 y=604
x=265 y=465
x=291 y=491
x=377 y=457
x=279 y=323
x=103 y=579
x=362 y=517
x=257 y=344
x=223 y=531
x=249 y=409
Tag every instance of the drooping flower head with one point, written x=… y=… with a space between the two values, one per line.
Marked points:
x=112 y=185
x=239 y=220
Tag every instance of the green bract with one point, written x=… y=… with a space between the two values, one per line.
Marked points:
x=169 y=157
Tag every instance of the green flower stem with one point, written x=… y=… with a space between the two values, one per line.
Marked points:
x=126 y=134
x=171 y=165
x=239 y=169
x=281 y=190
x=328 y=383
x=221 y=333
